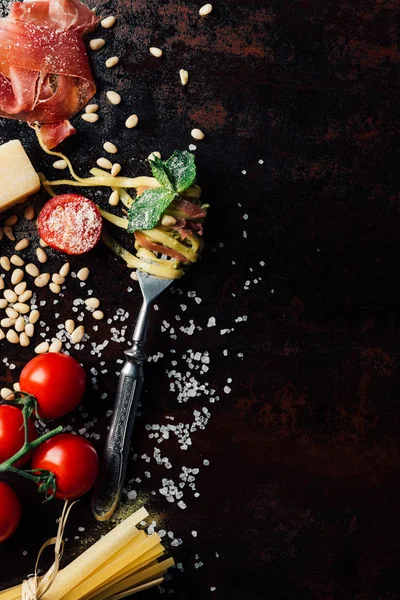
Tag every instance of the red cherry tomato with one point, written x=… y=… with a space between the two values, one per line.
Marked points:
x=70 y=223
x=12 y=435
x=56 y=380
x=74 y=462
x=10 y=511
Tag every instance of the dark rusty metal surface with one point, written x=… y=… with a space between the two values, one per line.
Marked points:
x=300 y=498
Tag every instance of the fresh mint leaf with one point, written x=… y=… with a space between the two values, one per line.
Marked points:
x=181 y=170
x=146 y=211
x=160 y=172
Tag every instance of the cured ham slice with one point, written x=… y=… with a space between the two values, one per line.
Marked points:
x=45 y=75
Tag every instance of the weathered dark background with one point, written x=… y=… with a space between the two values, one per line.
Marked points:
x=300 y=500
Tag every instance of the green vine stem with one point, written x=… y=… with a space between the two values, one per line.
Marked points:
x=46 y=480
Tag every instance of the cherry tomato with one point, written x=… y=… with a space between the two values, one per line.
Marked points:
x=70 y=223
x=72 y=459
x=10 y=511
x=56 y=380
x=12 y=434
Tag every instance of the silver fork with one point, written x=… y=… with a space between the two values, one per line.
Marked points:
x=113 y=467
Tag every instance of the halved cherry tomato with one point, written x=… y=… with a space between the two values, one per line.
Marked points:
x=74 y=462
x=12 y=434
x=10 y=511
x=56 y=380
x=70 y=223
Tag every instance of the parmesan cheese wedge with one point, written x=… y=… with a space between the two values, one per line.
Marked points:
x=18 y=178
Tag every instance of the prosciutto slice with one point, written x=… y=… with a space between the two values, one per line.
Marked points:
x=45 y=75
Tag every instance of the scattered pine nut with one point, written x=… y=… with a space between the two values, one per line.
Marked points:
x=113 y=97
x=9 y=232
x=131 y=121
x=25 y=296
x=153 y=154
x=29 y=329
x=104 y=163
x=43 y=243
x=10 y=296
x=97 y=44
x=17 y=260
x=29 y=213
x=60 y=164
x=16 y=387
x=20 y=288
x=55 y=346
x=92 y=302
x=91 y=108
x=197 y=134
x=64 y=269
x=111 y=62
x=90 y=117
x=1 y=283
x=3 y=303
x=34 y=316
x=11 y=220
x=98 y=315
x=21 y=307
x=5 y=263
x=77 y=334
x=55 y=288
x=22 y=244
x=157 y=52
x=11 y=313
x=69 y=325
x=12 y=336
x=17 y=276
x=83 y=274
x=24 y=339
x=42 y=348
x=7 y=322
x=20 y=324
x=134 y=275
x=168 y=220
x=114 y=198
x=205 y=10
x=57 y=278
x=108 y=22
x=7 y=394
x=116 y=168
x=184 y=76
x=41 y=255
x=110 y=147
x=2 y=334
x=32 y=270
x=42 y=280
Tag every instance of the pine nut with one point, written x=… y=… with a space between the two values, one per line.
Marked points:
x=197 y=134
x=153 y=154
x=34 y=316
x=113 y=97
x=184 y=76
x=57 y=278
x=55 y=288
x=83 y=274
x=2 y=334
x=11 y=312
x=12 y=336
x=55 y=346
x=7 y=322
x=10 y=296
x=114 y=198
x=20 y=324
x=77 y=334
x=9 y=233
x=5 y=263
x=43 y=243
x=110 y=147
x=92 y=302
x=3 y=303
x=205 y=10
x=21 y=307
x=11 y=220
x=108 y=22
x=17 y=260
x=104 y=163
x=41 y=255
x=69 y=325
x=22 y=244
x=32 y=270
x=7 y=394
x=29 y=329
x=24 y=339
x=20 y=288
x=157 y=52
x=29 y=213
x=1 y=283
x=116 y=168
x=168 y=220
x=60 y=164
x=17 y=276
x=27 y=295
x=16 y=387
x=42 y=348
x=91 y=108
x=64 y=269
x=111 y=62
x=90 y=117
x=97 y=44
x=134 y=276
x=131 y=121
x=42 y=280
x=98 y=315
